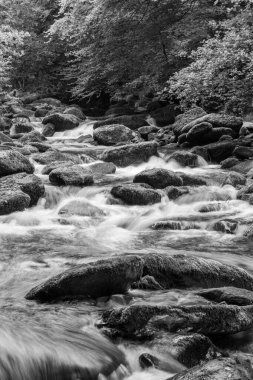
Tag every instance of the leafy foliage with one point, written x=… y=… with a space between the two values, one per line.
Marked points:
x=111 y=43
x=223 y=67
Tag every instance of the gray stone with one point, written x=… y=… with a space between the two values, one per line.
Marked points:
x=158 y=178
x=96 y=279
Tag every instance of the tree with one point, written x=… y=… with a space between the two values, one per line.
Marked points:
x=223 y=66
x=113 y=43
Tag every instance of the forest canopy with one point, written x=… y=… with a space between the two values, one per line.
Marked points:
x=192 y=50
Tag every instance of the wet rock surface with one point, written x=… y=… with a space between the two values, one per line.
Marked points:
x=100 y=191
x=130 y=154
x=135 y=194
x=158 y=178
x=98 y=279
x=71 y=175
x=146 y=322
x=12 y=162
x=220 y=369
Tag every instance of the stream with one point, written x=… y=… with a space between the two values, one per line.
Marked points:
x=39 y=243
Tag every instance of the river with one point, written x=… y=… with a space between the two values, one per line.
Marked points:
x=39 y=242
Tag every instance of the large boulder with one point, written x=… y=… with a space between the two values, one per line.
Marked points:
x=51 y=156
x=12 y=162
x=93 y=280
x=181 y=271
x=217 y=121
x=76 y=111
x=61 y=122
x=215 y=152
x=234 y=368
x=144 y=321
x=114 y=134
x=197 y=133
x=12 y=201
x=135 y=194
x=158 y=178
x=30 y=184
x=186 y=118
x=130 y=154
x=71 y=175
x=131 y=121
x=243 y=152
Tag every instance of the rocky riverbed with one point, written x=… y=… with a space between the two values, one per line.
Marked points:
x=126 y=243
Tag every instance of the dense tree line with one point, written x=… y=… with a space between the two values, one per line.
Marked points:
x=196 y=49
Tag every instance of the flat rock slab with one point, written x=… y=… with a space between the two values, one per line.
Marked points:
x=182 y=271
x=219 y=369
x=97 y=279
x=147 y=321
x=229 y=294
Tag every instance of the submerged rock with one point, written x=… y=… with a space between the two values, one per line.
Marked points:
x=71 y=175
x=81 y=208
x=97 y=279
x=227 y=226
x=12 y=162
x=174 y=192
x=136 y=194
x=131 y=154
x=148 y=321
x=158 y=178
x=174 y=225
x=229 y=294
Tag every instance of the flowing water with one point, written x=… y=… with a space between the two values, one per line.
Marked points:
x=47 y=341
